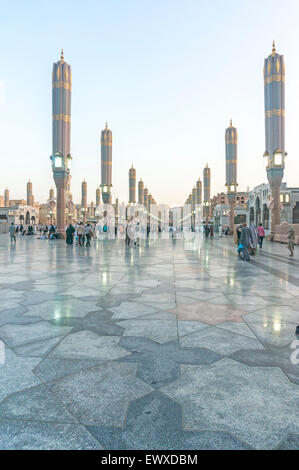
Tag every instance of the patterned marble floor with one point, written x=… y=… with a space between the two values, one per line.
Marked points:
x=173 y=345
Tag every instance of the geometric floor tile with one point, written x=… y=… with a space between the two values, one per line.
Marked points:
x=16 y=374
x=155 y=422
x=158 y=364
x=55 y=309
x=90 y=342
x=100 y=395
x=16 y=335
x=209 y=313
x=220 y=396
x=219 y=340
x=161 y=330
x=88 y=345
x=27 y=435
x=35 y=404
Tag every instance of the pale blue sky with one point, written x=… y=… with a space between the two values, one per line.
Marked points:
x=167 y=75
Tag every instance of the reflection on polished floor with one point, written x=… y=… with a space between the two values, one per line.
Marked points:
x=173 y=345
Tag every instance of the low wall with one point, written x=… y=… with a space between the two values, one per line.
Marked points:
x=281 y=233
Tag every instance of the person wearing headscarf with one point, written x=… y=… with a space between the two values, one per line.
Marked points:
x=70 y=234
x=245 y=240
x=291 y=240
x=254 y=239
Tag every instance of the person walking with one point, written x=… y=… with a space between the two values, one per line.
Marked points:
x=87 y=232
x=80 y=232
x=253 y=241
x=245 y=240
x=291 y=240
x=211 y=231
x=70 y=234
x=261 y=235
x=137 y=235
x=206 y=230
x=12 y=232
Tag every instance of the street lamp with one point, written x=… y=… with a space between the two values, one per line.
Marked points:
x=69 y=161
x=277 y=160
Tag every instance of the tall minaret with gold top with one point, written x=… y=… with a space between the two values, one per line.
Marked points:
x=231 y=155
x=206 y=191
x=61 y=135
x=274 y=92
x=106 y=164
x=61 y=107
x=132 y=185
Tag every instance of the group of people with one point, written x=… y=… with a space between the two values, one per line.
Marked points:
x=81 y=233
x=208 y=230
x=15 y=230
x=46 y=231
x=247 y=239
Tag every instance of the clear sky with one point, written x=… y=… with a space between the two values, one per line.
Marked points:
x=167 y=75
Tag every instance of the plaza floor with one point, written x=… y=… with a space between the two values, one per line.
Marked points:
x=173 y=345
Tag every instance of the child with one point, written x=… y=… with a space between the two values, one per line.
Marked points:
x=240 y=250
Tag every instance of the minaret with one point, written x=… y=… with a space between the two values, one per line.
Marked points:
x=61 y=135
x=206 y=190
x=84 y=194
x=6 y=198
x=141 y=192
x=150 y=201
x=198 y=191
x=98 y=196
x=106 y=164
x=231 y=157
x=194 y=194
x=132 y=185
x=30 y=200
x=51 y=194
x=274 y=92
x=92 y=209
x=146 y=198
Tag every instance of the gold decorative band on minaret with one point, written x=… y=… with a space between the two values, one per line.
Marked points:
x=61 y=117
x=231 y=161
x=106 y=163
x=275 y=112
x=274 y=78
x=61 y=84
x=234 y=142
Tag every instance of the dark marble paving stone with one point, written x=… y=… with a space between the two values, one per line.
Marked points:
x=98 y=322
x=35 y=404
x=158 y=364
x=290 y=443
x=18 y=435
x=15 y=316
x=272 y=356
x=155 y=422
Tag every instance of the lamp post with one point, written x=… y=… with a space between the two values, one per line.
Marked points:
x=84 y=212
x=274 y=93
x=231 y=155
x=61 y=133
x=61 y=171
x=275 y=169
